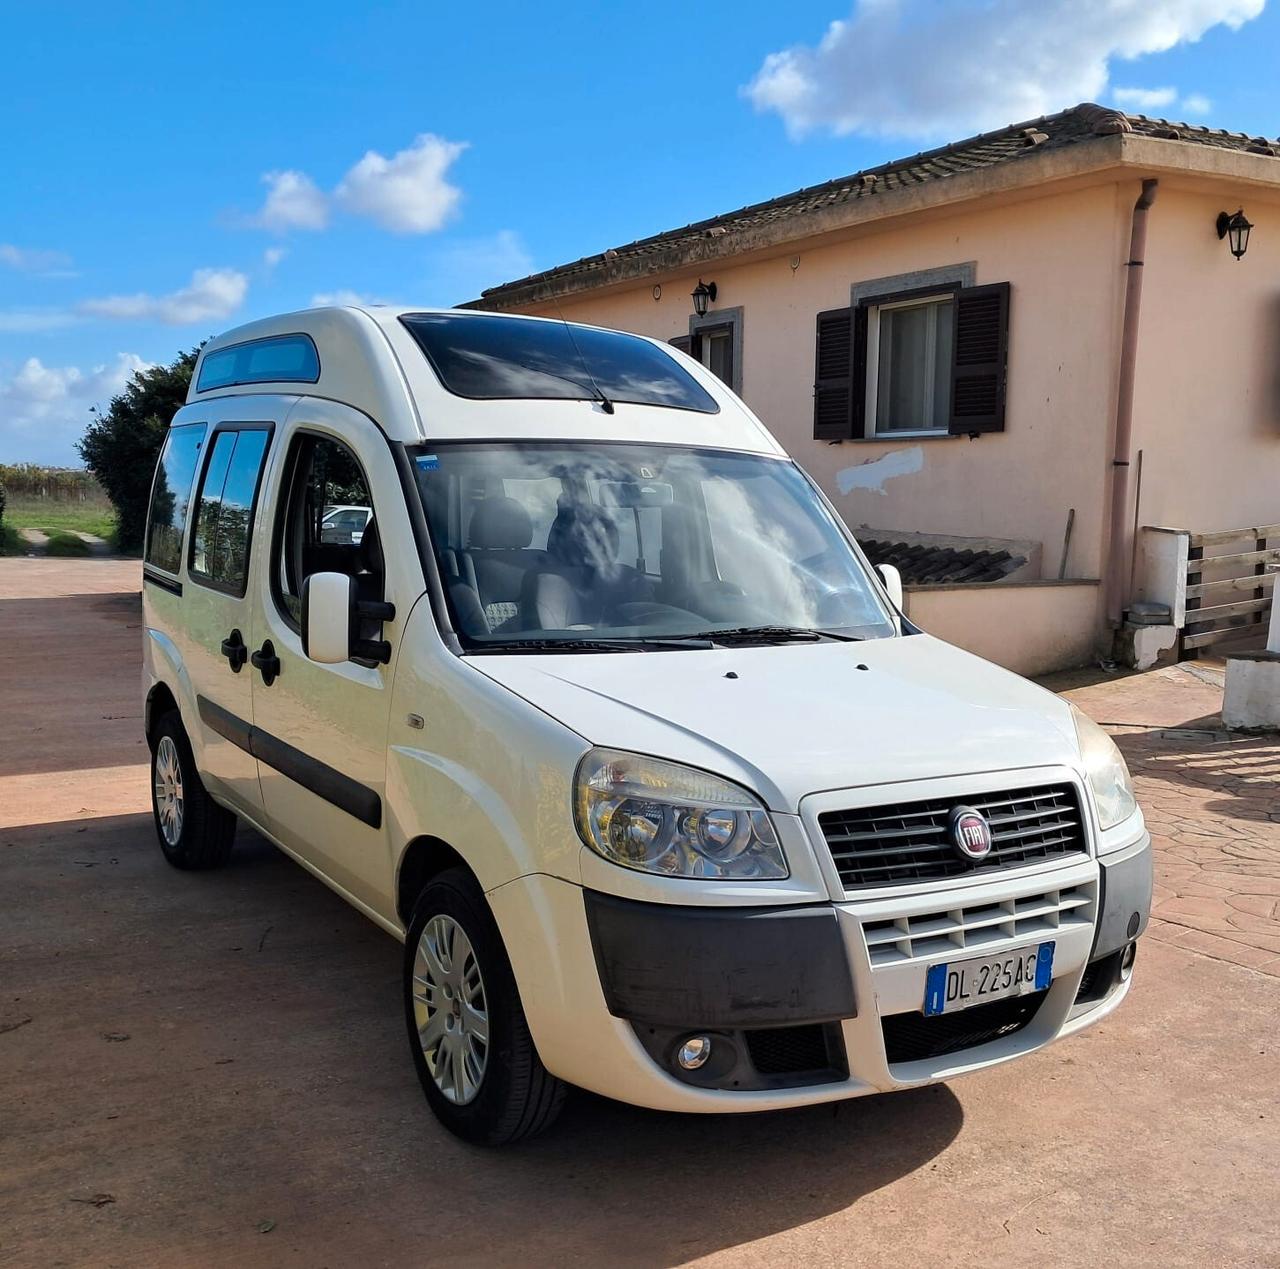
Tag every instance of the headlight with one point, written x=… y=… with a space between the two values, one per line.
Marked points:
x=660 y=817
x=1107 y=771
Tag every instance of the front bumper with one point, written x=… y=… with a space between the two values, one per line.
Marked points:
x=610 y=985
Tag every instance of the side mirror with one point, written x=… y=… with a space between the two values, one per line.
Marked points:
x=332 y=618
x=892 y=583
x=328 y=617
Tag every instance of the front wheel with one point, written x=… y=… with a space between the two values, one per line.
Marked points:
x=467 y=1030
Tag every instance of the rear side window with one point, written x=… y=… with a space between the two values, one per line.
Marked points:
x=280 y=359
x=224 y=510
x=171 y=495
x=488 y=357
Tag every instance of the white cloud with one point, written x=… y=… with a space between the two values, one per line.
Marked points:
x=32 y=321
x=1145 y=98
x=462 y=269
x=294 y=201
x=212 y=294
x=35 y=259
x=341 y=297
x=1166 y=100
x=921 y=69
x=44 y=409
x=272 y=257
x=409 y=192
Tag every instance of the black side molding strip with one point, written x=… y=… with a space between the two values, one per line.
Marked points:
x=324 y=781
x=164 y=583
x=226 y=724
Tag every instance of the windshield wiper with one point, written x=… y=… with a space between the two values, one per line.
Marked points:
x=678 y=643
x=773 y=634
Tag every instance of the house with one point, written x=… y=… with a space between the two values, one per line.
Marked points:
x=1008 y=362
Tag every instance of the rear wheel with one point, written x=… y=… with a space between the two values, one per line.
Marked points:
x=194 y=831
x=467 y=1030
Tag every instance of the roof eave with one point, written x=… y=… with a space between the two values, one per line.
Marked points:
x=1052 y=166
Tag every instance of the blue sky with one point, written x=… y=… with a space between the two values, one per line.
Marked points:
x=172 y=170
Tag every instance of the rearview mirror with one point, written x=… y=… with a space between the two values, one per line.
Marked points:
x=892 y=583
x=328 y=617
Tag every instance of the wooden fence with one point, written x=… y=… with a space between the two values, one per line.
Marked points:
x=1229 y=586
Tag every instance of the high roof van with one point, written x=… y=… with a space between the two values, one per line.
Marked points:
x=530 y=641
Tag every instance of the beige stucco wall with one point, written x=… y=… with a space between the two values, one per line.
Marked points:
x=1028 y=628
x=1207 y=399
x=1062 y=255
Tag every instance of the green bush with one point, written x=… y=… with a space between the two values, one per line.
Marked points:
x=122 y=443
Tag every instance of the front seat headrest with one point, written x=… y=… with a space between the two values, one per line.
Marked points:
x=500 y=523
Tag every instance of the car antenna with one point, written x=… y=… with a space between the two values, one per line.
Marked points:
x=605 y=404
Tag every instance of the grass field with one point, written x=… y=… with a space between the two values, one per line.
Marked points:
x=53 y=516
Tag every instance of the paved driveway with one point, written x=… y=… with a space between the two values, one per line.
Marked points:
x=211 y=1070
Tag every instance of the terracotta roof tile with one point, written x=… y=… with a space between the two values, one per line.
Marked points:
x=1069 y=127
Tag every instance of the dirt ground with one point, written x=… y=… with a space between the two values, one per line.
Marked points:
x=211 y=1070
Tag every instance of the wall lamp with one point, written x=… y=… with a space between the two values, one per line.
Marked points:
x=1236 y=230
x=703 y=294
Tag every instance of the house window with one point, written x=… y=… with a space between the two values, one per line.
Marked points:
x=716 y=341
x=928 y=362
x=716 y=352
x=909 y=349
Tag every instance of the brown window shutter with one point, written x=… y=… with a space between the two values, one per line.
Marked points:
x=833 y=376
x=682 y=342
x=979 y=360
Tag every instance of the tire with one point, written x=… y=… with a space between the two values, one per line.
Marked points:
x=200 y=833
x=489 y=1093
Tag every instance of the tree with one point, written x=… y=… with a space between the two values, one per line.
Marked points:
x=122 y=443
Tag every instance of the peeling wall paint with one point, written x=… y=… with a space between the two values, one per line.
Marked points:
x=875 y=471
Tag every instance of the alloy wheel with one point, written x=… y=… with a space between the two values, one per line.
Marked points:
x=450 y=1010
x=168 y=786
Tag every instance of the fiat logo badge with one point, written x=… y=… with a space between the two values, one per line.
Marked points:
x=970 y=833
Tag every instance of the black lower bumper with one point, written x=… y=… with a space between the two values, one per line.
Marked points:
x=669 y=965
x=1124 y=901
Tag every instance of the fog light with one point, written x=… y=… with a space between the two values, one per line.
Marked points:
x=694 y=1052
x=1127 y=958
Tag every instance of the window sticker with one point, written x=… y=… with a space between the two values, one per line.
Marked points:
x=428 y=462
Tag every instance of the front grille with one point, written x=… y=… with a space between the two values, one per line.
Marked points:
x=909 y=841
x=1046 y=913
x=788 y=1050
x=911 y=1037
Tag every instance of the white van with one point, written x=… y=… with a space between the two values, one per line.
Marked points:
x=606 y=716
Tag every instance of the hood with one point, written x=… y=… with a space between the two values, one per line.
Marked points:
x=796 y=719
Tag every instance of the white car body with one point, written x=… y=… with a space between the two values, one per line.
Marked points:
x=480 y=753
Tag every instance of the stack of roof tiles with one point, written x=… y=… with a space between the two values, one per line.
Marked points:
x=922 y=565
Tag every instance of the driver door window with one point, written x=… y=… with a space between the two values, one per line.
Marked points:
x=324 y=475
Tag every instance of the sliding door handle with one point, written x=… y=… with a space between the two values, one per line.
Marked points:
x=266 y=663
x=233 y=648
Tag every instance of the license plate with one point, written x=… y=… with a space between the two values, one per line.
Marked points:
x=959 y=984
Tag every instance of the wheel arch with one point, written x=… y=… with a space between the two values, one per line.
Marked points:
x=160 y=700
x=423 y=859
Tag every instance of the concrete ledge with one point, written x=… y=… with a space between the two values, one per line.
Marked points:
x=1028 y=627
x=1251 y=701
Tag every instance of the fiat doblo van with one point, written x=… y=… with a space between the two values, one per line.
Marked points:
x=597 y=705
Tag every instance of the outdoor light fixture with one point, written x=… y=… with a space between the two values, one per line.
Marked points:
x=703 y=294
x=1236 y=230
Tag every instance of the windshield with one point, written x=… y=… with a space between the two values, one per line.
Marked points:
x=626 y=546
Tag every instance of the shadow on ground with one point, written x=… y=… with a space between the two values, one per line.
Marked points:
x=265 y=1075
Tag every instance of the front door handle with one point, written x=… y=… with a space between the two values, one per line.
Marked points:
x=266 y=662
x=234 y=650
